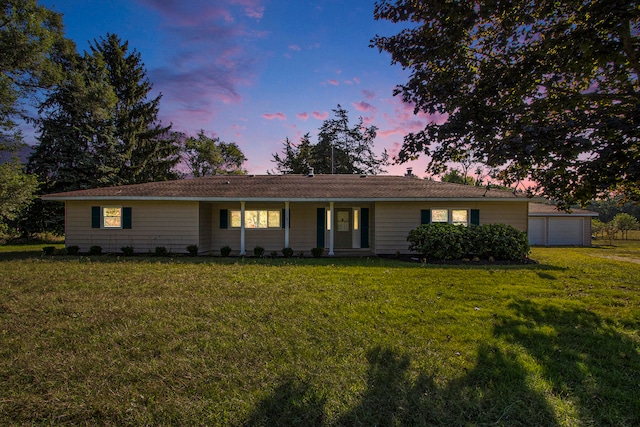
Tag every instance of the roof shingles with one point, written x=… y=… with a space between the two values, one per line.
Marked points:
x=291 y=187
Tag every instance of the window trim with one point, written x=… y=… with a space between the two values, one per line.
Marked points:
x=103 y=217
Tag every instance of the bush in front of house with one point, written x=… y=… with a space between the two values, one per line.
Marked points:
x=95 y=250
x=73 y=250
x=258 y=251
x=287 y=252
x=317 y=252
x=192 y=250
x=127 y=250
x=439 y=241
x=161 y=251
x=499 y=241
x=225 y=251
x=452 y=242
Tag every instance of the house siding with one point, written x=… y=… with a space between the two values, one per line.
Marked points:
x=394 y=221
x=174 y=225
x=205 y=228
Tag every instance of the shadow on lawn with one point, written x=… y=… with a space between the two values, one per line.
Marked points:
x=583 y=362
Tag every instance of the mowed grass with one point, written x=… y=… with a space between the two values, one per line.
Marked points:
x=150 y=341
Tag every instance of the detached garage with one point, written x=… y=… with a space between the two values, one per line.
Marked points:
x=550 y=227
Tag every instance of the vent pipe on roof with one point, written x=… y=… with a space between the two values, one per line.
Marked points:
x=310 y=171
x=409 y=172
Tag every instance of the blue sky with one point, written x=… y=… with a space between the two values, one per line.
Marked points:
x=255 y=72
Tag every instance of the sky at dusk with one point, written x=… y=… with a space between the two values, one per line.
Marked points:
x=255 y=72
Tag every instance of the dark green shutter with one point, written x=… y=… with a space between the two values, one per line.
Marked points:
x=475 y=216
x=126 y=218
x=364 y=227
x=95 y=216
x=224 y=219
x=320 y=228
x=425 y=216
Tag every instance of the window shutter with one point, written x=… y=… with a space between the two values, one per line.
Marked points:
x=95 y=216
x=126 y=218
x=475 y=216
x=320 y=228
x=224 y=219
x=425 y=216
x=364 y=227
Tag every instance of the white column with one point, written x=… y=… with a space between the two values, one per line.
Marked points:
x=286 y=224
x=242 y=249
x=332 y=229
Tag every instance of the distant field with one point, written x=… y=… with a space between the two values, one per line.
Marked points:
x=210 y=341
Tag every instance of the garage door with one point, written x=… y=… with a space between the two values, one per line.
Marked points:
x=565 y=231
x=537 y=231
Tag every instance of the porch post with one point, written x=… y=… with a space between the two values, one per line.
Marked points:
x=242 y=249
x=286 y=224
x=331 y=229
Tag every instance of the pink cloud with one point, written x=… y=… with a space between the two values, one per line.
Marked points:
x=363 y=106
x=274 y=116
x=353 y=81
x=303 y=116
x=369 y=94
x=333 y=82
x=208 y=59
x=320 y=116
x=295 y=47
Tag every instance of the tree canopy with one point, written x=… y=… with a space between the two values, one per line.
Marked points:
x=206 y=156
x=341 y=149
x=546 y=91
x=30 y=34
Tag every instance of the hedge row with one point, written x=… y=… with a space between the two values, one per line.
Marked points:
x=448 y=241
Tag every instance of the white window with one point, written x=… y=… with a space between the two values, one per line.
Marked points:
x=460 y=217
x=111 y=217
x=450 y=216
x=257 y=219
x=440 y=215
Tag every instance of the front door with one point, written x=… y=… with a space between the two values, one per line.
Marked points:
x=343 y=233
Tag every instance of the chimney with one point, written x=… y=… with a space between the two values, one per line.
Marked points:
x=310 y=172
x=409 y=172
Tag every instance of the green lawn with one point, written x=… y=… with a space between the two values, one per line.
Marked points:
x=207 y=341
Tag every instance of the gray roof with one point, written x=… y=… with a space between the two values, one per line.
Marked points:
x=293 y=188
x=540 y=209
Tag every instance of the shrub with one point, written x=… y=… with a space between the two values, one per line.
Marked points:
x=438 y=241
x=301 y=254
x=127 y=250
x=499 y=241
x=448 y=241
x=161 y=251
x=48 y=250
x=274 y=254
x=317 y=252
x=73 y=250
x=287 y=252
x=192 y=250
x=225 y=251
x=60 y=251
x=258 y=251
x=95 y=250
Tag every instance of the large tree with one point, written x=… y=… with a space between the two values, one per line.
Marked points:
x=147 y=150
x=29 y=36
x=341 y=149
x=207 y=156
x=546 y=91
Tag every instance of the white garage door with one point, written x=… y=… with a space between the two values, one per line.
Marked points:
x=565 y=231
x=537 y=231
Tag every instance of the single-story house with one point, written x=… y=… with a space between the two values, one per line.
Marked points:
x=549 y=226
x=345 y=214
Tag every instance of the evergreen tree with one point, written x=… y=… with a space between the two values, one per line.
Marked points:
x=341 y=149
x=147 y=151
